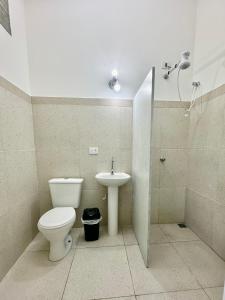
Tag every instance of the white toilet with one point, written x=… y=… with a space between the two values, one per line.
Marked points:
x=56 y=223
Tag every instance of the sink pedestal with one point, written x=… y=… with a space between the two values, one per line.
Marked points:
x=112 y=181
x=113 y=210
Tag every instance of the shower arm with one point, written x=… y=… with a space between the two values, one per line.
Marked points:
x=166 y=76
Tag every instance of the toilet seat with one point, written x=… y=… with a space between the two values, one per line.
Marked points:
x=57 y=217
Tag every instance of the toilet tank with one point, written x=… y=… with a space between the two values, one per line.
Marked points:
x=65 y=192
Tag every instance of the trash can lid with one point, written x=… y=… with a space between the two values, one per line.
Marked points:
x=91 y=214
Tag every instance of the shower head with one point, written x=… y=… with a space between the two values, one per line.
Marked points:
x=184 y=62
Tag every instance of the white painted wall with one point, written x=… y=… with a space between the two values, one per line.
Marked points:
x=74 y=44
x=13 y=49
x=209 y=54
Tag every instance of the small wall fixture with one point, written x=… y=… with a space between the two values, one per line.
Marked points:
x=114 y=82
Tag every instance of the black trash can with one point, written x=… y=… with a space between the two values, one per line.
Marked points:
x=91 y=219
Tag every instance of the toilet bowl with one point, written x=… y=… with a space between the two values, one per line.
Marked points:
x=55 y=225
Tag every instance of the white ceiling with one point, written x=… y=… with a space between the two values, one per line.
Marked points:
x=73 y=45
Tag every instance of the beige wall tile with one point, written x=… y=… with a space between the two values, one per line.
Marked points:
x=199 y=215
x=56 y=126
x=218 y=233
x=125 y=128
x=20 y=230
x=58 y=162
x=155 y=167
x=171 y=205
x=206 y=172
x=154 y=206
x=170 y=131
x=220 y=187
x=16 y=127
x=6 y=246
x=4 y=207
x=173 y=128
x=206 y=124
x=125 y=206
x=202 y=172
x=45 y=201
x=99 y=126
x=63 y=134
x=173 y=171
x=156 y=138
x=21 y=175
x=90 y=165
x=19 y=204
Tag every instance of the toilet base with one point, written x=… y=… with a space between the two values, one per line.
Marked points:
x=59 y=249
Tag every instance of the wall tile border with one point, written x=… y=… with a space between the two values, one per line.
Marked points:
x=14 y=89
x=212 y=95
x=107 y=102
x=82 y=101
x=171 y=104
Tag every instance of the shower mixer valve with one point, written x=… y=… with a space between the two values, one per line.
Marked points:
x=162 y=159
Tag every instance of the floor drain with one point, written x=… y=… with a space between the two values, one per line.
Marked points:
x=182 y=225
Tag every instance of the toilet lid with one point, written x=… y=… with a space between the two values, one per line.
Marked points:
x=57 y=217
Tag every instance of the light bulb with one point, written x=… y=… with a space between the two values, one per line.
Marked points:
x=117 y=87
x=114 y=73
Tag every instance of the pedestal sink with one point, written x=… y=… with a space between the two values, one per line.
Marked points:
x=112 y=181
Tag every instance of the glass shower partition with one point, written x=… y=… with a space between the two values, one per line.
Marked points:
x=141 y=162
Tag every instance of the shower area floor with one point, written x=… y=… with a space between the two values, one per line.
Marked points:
x=182 y=268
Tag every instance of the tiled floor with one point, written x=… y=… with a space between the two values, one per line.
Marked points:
x=182 y=268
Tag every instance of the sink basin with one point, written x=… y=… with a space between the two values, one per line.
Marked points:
x=117 y=179
x=112 y=182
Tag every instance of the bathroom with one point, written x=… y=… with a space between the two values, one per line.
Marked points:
x=119 y=106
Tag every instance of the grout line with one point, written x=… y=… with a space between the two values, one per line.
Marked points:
x=75 y=250
x=128 y=264
x=212 y=287
x=172 y=242
x=120 y=297
x=188 y=267
x=169 y=292
x=206 y=294
x=92 y=247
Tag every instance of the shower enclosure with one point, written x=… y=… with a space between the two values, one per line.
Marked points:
x=141 y=163
x=160 y=161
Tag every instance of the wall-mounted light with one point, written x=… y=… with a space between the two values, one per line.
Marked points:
x=114 y=82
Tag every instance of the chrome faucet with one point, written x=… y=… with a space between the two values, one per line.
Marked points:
x=112 y=168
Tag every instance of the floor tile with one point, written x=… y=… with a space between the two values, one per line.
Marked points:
x=157 y=235
x=215 y=293
x=99 y=273
x=187 y=295
x=129 y=236
x=206 y=266
x=40 y=243
x=122 y=298
x=167 y=271
x=103 y=241
x=176 y=234
x=35 y=277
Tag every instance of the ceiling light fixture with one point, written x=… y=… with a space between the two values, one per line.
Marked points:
x=114 y=82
